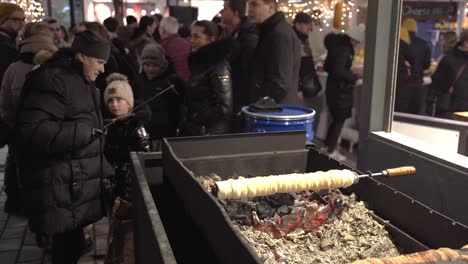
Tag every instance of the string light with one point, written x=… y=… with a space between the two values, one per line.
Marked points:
x=320 y=10
x=32 y=9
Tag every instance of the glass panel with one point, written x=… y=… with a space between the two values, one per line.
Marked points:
x=61 y=11
x=430 y=85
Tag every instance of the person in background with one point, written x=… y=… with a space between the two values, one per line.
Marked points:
x=125 y=135
x=245 y=35
x=140 y=38
x=166 y=110
x=277 y=56
x=37 y=46
x=131 y=22
x=11 y=22
x=111 y=24
x=340 y=83
x=451 y=77
x=59 y=139
x=209 y=92
x=309 y=86
x=55 y=27
x=73 y=30
x=64 y=35
x=421 y=54
x=156 y=34
x=405 y=59
x=176 y=48
x=448 y=41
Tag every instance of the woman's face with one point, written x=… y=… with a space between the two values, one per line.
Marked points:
x=118 y=107
x=150 y=29
x=198 y=38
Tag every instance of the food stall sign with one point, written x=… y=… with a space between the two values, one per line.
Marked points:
x=430 y=10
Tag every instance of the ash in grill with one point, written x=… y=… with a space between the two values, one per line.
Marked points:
x=307 y=227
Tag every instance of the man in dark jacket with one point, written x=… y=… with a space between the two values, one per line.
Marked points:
x=421 y=60
x=61 y=164
x=277 y=56
x=309 y=84
x=11 y=21
x=245 y=34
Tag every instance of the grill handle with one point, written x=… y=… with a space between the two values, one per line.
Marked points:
x=400 y=171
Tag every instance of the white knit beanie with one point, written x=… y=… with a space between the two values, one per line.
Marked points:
x=118 y=86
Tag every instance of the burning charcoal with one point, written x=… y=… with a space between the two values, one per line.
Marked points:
x=307 y=227
x=326 y=244
x=283 y=210
x=256 y=220
x=264 y=209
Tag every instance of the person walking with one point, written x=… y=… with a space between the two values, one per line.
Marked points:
x=340 y=82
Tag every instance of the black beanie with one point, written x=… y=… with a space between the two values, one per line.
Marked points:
x=91 y=44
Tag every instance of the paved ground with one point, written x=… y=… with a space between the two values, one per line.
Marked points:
x=18 y=245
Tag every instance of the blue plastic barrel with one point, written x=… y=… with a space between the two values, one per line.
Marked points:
x=290 y=118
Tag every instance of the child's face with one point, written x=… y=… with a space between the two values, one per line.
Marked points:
x=118 y=107
x=151 y=70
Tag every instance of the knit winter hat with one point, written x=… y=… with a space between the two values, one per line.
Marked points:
x=357 y=32
x=36 y=43
x=91 y=44
x=153 y=53
x=118 y=87
x=302 y=18
x=6 y=9
x=37 y=36
x=410 y=24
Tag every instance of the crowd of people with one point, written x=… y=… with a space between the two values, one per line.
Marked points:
x=74 y=103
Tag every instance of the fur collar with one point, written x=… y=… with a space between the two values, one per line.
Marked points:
x=211 y=54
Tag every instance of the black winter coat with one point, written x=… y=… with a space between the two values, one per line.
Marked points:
x=8 y=52
x=122 y=137
x=246 y=39
x=444 y=77
x=61 y=165
x=309 y=83
x=209 y=92
x=341 y=80
x=277 y=61
x=421 y=60
x=166 y=110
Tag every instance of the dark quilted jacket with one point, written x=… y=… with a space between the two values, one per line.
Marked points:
x=209 y=93
x=61 y=165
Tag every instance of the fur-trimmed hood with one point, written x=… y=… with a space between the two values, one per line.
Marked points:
x=334 y=40
x=211 y=54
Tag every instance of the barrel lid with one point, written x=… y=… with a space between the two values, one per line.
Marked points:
x=289 y=113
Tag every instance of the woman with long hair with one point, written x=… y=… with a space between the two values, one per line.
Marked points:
x=209 y=93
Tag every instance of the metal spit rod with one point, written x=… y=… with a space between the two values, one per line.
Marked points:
x=394 y=172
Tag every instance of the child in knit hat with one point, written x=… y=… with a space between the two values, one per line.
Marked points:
x=126 y=134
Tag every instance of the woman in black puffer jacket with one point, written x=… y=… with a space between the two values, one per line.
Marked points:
x=340 y=84
x=209 y=93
